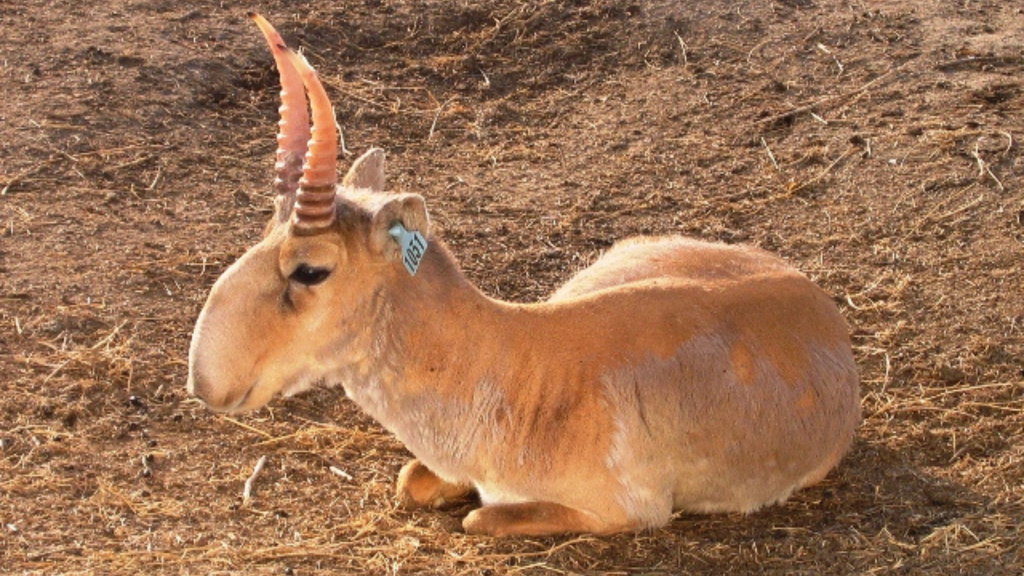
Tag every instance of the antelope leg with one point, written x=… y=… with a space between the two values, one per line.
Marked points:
x=418 y=487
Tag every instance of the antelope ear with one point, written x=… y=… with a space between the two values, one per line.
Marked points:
x=367 y=172
x=410 y=211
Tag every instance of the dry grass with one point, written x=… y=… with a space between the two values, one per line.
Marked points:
x=877 y=147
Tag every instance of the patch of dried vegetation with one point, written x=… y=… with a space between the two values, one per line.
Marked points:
x=876 y=146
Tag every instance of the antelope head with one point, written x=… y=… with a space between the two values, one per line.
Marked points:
x=293 y=307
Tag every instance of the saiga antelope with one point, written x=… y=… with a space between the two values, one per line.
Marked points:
x=670 y=375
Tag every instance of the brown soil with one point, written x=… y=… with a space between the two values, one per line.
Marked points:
x=876 y=145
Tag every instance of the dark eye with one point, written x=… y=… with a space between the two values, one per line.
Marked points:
x=309 y=275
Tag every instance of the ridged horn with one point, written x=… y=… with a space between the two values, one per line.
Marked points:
x=314 y=203
x=293 y=127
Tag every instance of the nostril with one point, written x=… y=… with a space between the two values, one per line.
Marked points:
x=193 y=390
x=216 y=398
x=197 y=387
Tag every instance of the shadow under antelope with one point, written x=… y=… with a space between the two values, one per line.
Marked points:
x=670 y=375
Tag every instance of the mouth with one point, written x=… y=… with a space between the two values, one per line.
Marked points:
x=232 y=408
x=238 y=406
x=256 y=397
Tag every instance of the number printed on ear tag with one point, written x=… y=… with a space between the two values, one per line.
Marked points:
x=414 y=246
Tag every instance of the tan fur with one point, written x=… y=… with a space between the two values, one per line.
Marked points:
x=670 y=375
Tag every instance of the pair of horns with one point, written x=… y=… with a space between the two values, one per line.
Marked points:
x=306 y=165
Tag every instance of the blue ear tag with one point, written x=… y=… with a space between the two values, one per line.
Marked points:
x=414 y=246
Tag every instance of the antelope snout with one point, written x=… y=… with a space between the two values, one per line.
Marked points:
x=223 y=399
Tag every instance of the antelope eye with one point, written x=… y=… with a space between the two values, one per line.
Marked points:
x=309 y=275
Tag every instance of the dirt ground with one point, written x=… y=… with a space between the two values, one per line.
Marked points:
x=876 y=145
